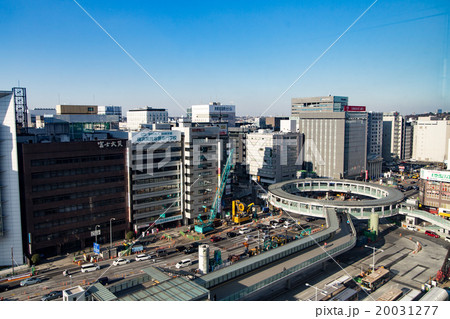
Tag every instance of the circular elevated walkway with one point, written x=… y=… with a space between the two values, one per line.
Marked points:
x=291 y=196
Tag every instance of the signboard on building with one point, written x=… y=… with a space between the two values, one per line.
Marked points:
x=433 y=175
x=351 y=108
x=148 y=136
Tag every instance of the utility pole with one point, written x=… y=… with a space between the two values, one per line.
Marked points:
x=374 y=249
x=12 y=259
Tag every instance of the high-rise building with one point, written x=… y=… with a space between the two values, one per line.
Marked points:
x=155 y=167
x=318 y=104
x=213 y=112
x=69 y=190
x=147 y=115
x=202 y=147
x=335 y=136
x=374 y=144
x=431 y=139
x=10 y=218
x=393 y=135
x=273 y=157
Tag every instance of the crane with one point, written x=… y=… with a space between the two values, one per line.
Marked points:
x=206 y=226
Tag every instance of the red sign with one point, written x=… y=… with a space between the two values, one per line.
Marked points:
x=350 y=108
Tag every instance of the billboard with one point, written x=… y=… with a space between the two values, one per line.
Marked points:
x=350 y=108
x=433 y=175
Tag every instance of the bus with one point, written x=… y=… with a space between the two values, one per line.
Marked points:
x=391 y=295
x=375 y=280
x=413 y=294
x=348 y=294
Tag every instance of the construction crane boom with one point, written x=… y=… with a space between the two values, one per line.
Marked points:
x=206 y=226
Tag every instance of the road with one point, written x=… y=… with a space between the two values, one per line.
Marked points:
x=53 y=278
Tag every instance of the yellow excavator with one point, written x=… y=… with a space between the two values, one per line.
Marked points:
x=240 y=213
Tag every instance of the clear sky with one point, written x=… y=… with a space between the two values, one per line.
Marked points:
x=235 y=52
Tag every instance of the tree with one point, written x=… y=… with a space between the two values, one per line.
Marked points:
x=35 y=259
x=129 y=235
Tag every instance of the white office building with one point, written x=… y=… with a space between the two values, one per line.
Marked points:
x=335 y=136
x=10 y=216
x=202 y=147
x=431 y=139
x=273 y=157
x=155 y=185
x=213 y=112
x=110 y=110
x=147 y=115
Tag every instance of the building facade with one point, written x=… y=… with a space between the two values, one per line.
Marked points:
x=155 y=187
x=393 y=135
x=147 y=115
x=213 y=112
x=434 y=192
x=69 y=190
x=431 y=139
x=201 y=148
x=335 y=140
x=10 y=218
x=273 y=157
x=374 y=144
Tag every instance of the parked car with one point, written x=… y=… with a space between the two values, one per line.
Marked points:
x=214 y=239
x=231 y=234
x=248 y=237
x=121 y=261
x=310 y=219
x=183 y=263
x=142 y=257
x=52 y=295
x=30 y=281
x=447 y=239
x=410 y=227
x=431 y=234
x=277 y=225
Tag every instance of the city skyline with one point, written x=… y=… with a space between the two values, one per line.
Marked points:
x=393 y=59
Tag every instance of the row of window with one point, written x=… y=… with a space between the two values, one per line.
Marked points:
x=153 y=170
x=64 y=197
x=156 y=180
x=77 y=171
x=78 y=219
x=76 y=160
x=156 y=199
x=79 y=183
x=156 y=208
x=156 y=189
x=77 y=207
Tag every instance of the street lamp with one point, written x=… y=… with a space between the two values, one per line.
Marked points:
x=110 y=232
x=96 y=233
x=374 y=249
x=308 y=285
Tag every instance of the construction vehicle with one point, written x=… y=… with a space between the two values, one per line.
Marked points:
x=204 y=226
x=240 y=213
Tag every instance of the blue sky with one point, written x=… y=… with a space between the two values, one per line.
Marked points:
x=241 y=52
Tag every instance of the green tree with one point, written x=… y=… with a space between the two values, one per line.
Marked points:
x=35 y=259
x=129 y=235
